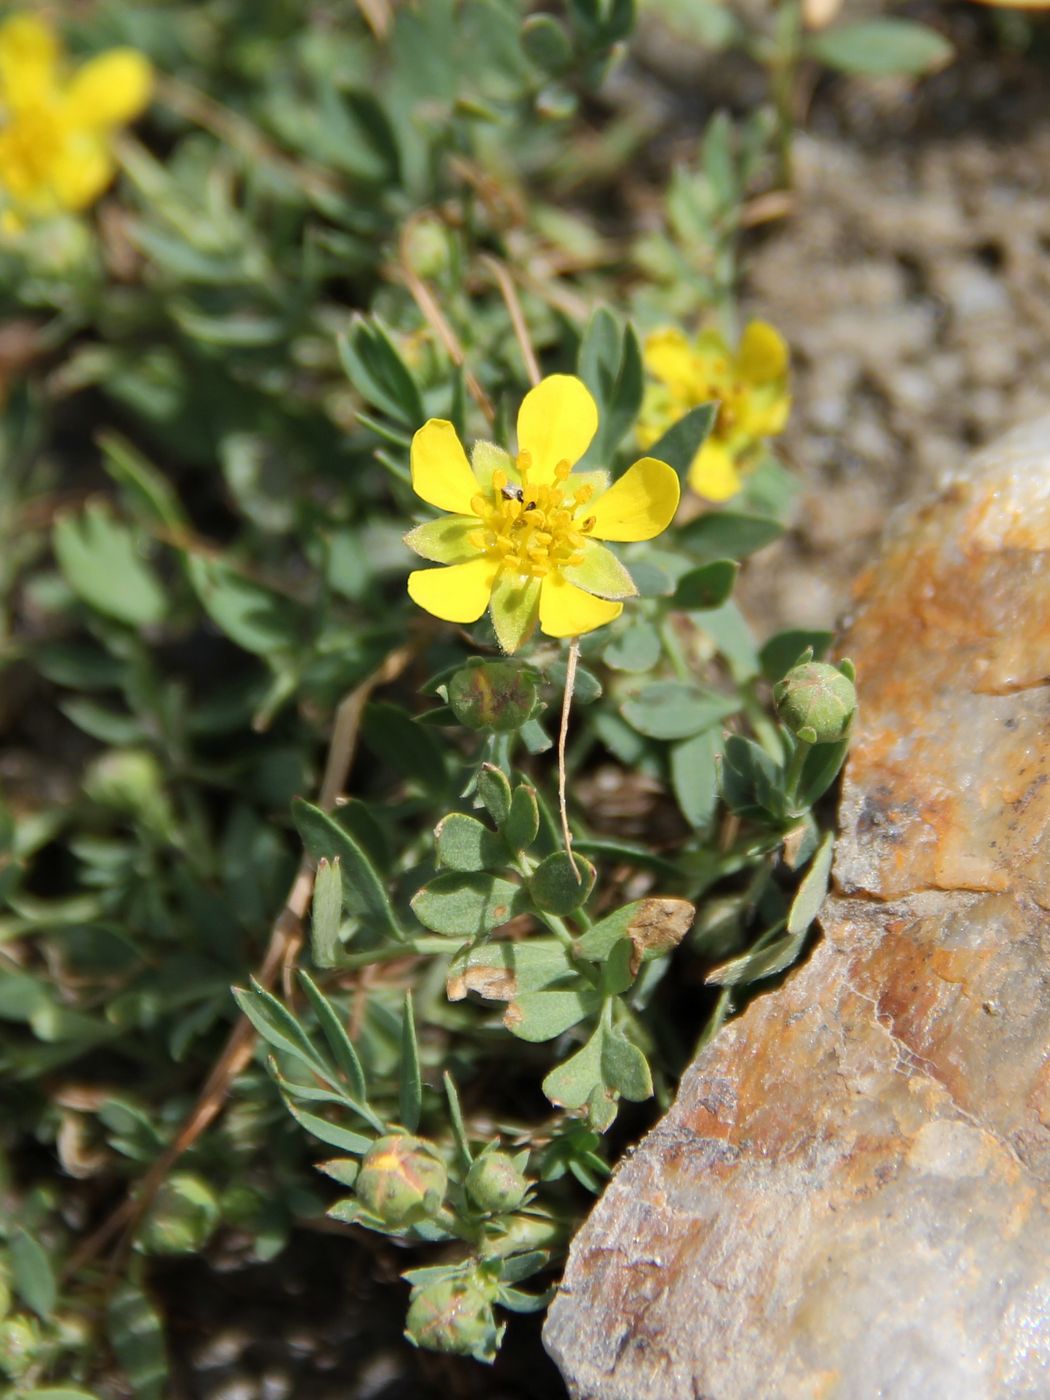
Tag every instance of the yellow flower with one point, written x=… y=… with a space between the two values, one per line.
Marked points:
x=522 y=538
x=56 y=128
x=748 y=385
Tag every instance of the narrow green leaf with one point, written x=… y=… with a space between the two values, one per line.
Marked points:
x=781 y=652
x=32 y=1274
x=684 y=439
x=258 y=620
x=137 y=1336
x=335 y=1034
x=329 y=1133
x=148 y=491
x=411 y=1087
x=363 y=891
x=326 y=913
x=378 y=372
x=455 y=1118
x=765 y=960
x=813 y=889
x=636 y=648
x=722 y=534
x=881 y=47
x=820 y=769
x=278 y=1027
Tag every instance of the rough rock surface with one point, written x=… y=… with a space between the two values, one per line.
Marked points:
x=850 y=1198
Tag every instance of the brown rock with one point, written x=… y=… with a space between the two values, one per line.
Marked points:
x=849 y=1198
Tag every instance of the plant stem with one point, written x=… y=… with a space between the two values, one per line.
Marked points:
x=563 y=732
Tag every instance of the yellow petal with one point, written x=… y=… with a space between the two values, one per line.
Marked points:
x=446 y=541
x=81 y=171
x=763 y=353
x=28 y=61
x=110 y=89
x=669 y=357
x=601 y=573
x=639 y=505
x=556 y=423
x=515 y=606
x=458 y=593
x=441 y=474
x=566 y=611
x=768 y=416
x=713 y=474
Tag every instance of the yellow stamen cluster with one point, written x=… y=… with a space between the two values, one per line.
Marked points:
x=532 y=530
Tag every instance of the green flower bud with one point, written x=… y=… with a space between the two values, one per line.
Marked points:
x=495 y=1184
x=132 y=781
x=401 y=1180
x=182 y=1218
x=453 y=1315
x=495 y=695
x=427 y=248
x=19 y=1341
x=816 y=702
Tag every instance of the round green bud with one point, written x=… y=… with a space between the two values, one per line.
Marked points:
x=19 y=1341
x=427 y=249
x=495 y=695
x=495 y=1184
x=182 y=1218
x=132 y=781
x=816 y=702
x=401 y=1180
x=453 y=1315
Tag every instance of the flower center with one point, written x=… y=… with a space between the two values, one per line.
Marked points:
x=532 y=530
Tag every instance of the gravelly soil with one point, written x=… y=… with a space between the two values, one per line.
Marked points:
x=913 y=284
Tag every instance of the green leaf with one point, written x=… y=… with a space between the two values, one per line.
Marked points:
x=494 y=791
x=708 y=586
x=259 y=621
x=523 y=820
x=721 y=534
x=624 y=1068
x=535 y=737
x=538 y=1016
x=406 y=746
x=684 y=439
x=502 y=970
x=378 y=372
x=610 y=364
x=556 y=887
x=278 y=1027
x=137 y=1336
x=546 y=43
x=466 y=904
x=636 y=648
x=752 y=782
x=100 y=559
x=147 y=490
x=329 y=1133
x=339 y=1042
x=326 y=913
x=694 y=776
x=363 y=891
x=455 y=1118
x=32 y=1275
x=674 y=710
x=820 y=770
x=782 y=650
x=571 y=1084
x=813 y=889
x=653 y=926
x=410 y=1094
x=467 y=845
x=587 y=688
x=765 y=960
x=881 y=47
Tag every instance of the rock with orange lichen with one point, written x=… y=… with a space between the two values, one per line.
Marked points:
x=851 y=1195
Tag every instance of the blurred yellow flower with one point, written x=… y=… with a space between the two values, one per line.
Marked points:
x=56 y=126
x=522 y=538
x=749 y=385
